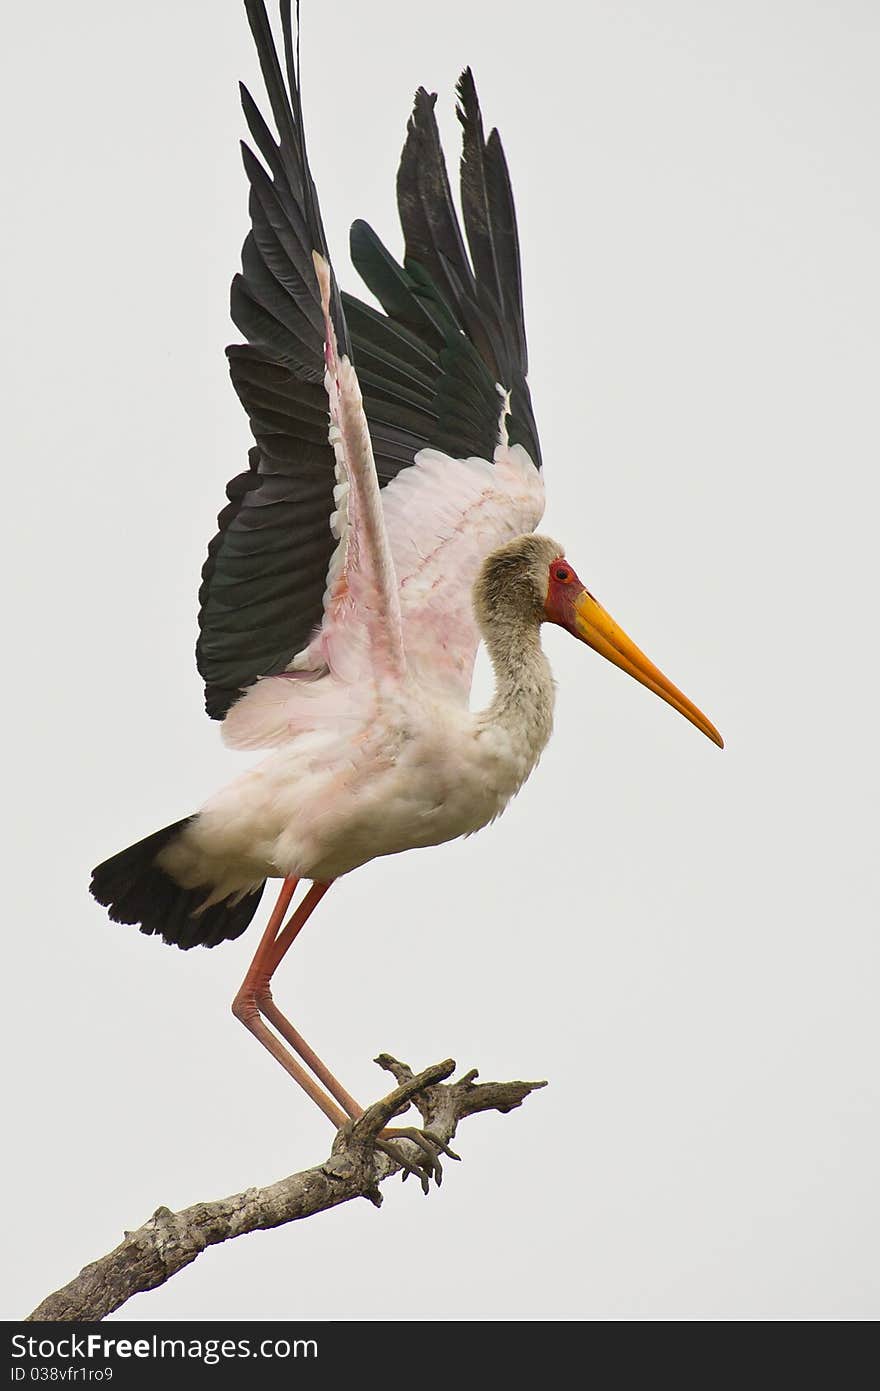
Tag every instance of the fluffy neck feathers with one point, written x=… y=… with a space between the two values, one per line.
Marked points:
x=514 y=645
x=522 y=709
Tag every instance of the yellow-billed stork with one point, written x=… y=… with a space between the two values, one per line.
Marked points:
x=383 y=527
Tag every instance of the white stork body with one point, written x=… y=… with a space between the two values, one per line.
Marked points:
x=417 y=771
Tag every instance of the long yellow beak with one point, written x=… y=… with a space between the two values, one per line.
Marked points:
x=598 y=629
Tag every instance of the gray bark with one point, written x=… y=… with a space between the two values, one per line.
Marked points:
x=168 y=1241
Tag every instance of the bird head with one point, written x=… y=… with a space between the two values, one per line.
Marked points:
x=531 y=579
x=568 y=603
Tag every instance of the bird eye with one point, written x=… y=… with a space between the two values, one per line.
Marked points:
x=562 y=573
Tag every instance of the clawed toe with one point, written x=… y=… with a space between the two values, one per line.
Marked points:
x=423 y=1171
x=413 y=1150
x=431 y=1146
x=427 y=1140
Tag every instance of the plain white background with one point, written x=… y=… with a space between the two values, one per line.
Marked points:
x=680 y=940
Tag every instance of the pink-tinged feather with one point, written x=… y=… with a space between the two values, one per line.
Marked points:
x=443 y=517
x=361 y=634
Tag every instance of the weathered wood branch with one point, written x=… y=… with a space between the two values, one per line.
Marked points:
x=168 y=1241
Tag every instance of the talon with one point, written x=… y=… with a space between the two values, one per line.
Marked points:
x=441 y=1145
x=428 y=1140
x=431 y=1146
x=408 y=1165
x=418 y=1138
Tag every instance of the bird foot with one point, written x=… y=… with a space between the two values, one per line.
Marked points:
x=425 y=1164
x=413 y=1150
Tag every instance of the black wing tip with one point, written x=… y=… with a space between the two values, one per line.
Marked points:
x=469 y=111
x=421 y=125
x=468 y=108
x=361 y=235
x=424 y=101
x=466 y=84
x=494 y=146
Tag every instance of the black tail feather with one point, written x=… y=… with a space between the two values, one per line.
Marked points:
x=136 y=890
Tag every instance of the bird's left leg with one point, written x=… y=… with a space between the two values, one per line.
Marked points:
x=256 y=995
x=430 y=1145
x=254 y=1000
x=245 y=1007
x=276 y=951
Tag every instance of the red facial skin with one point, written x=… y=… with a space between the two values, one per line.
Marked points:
x=563 y=587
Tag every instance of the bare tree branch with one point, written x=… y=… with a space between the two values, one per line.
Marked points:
x=168 y=1241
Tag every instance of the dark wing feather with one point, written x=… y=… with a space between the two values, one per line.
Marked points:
x=428 y=366
x=465 y=313
x=458 y=390
x=264 y=576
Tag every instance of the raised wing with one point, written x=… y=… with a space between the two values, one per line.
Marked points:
x=275 y=567
x=265 y=573
x=484 y=298
x=446 y=366
x=442 y=370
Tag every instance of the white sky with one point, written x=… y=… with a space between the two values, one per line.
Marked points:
x=679 y=939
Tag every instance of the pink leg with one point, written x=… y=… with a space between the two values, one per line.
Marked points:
x=253 y=1004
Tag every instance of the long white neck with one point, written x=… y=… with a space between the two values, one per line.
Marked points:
x=519 y=721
